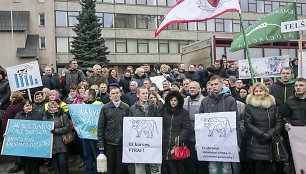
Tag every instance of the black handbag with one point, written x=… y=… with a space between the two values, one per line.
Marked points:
x=278 y=148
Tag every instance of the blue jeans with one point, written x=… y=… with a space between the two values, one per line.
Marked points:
x=226 y=167
x=91 y=152
x=60 y=162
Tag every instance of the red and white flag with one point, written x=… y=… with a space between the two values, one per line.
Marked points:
x=196 y=11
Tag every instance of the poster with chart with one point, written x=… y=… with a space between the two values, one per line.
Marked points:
x=216 y=137
x=142 y=140
x=263 y=67
x=28 y=138
x=24 y=76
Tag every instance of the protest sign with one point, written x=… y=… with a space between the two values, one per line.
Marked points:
x=263 y=67
x=158 y=80
x=297 y=137
x=28 y=138
x=142 y=140
x=302 y=66
x=24 y=76
x=85 y=119
x=216 y=137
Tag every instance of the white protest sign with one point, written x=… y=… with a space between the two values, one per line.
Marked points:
x=291 y=26
x=263 y=67
x=303 y=65
x=24 y=76
x=297 y=137
x=216 y=137
x=142 y=140
x=158 y=80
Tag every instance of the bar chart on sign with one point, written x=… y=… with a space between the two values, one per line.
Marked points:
x=24 y=76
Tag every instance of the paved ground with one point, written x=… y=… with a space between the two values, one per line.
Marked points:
x=8 y=162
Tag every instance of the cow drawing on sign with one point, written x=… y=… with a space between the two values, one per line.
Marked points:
x=147 y=127
x=220 y=125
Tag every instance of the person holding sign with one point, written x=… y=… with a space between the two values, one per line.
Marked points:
x=294 y=112
x=262 y=122
x=30 y=165
x=61 y=127
x=110 y=131
x=145 y=108
x=176 y=125
x=219 y=99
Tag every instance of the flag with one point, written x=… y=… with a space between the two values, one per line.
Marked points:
x=196 y=11
x=267 y=29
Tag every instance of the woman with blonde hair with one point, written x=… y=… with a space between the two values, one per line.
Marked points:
x=139 y=76
x=262 y=122
x=165 y=71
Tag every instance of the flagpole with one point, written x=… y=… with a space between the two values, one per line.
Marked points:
x=300 y=42
x=247 y=49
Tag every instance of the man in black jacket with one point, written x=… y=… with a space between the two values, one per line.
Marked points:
x=110 y=131
x=294 y=112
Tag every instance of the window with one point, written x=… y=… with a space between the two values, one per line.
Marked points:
x=304 y=9
x=142 y=21
x=41 y=19
x=110 y=1
x=130 y=1
x=161 y=2
x=275 y=5
x=119 y=1
x=151 y=2
x=152 y=20
x=219 y=25
x=252 y=5
x=60 y=18
x=228 y=25
x=42 y=43
x=40 y=1
x=173 y=46
x=72 y=18
x=121 y=45
x=260 y=6
x=62 y=45
x=211 y=25
x=17 y=1
x=182 y=44
x=244 y=5
x=171 y=2
x=268 y=6
x=108 y=20
x=142 y=46
x=163 y=46
x=298 y=9
x=202 y=26
x=125 y=21
x=236 y=26
x=192 y=26
x=142 y=2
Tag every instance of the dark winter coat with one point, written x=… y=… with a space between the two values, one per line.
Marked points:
x=261 y=116
x=112 y=80
x=169 y=76
x=281 y=92
x=179 y=77
x=192 y=75
x=138 y=79
x=132 y=97
x=138 y=111
x=29 y=116
x=38 y=106
x=176 y=123
x=229 y=73
x=223 y=102
x=10 y=113
x=295 y=111
x=110 y=125
x=97 y=80
x=124 y=82
x=104 y=98
x=60 y=128
x=5 y=92
x=72 y=78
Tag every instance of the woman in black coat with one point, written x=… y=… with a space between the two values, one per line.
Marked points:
x=176 y=123
x=61 y=127
x=262 y=123
x=30 y=165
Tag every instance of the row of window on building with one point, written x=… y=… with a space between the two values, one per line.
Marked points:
x=261 y=6
x=63 y=45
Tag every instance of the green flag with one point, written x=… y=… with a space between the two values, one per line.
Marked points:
x=267 y=29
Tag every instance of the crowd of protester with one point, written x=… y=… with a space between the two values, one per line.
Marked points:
x=263 y=109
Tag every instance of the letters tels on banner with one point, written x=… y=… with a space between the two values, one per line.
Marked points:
x=28 y=138
x=24 y=76
x=297 y=137
x=85 y=119
x=142 y=140
x=216 y=137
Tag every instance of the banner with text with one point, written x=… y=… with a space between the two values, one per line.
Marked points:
x=28 y=138
x=297 y=137
x=263 y=67
x=24 y=76
x=142 y=140
x=85 y=119
x=216 y=137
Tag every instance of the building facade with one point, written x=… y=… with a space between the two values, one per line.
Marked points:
x=128 y=27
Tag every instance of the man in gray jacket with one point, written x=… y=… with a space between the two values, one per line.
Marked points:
x=192 y=104
x=73 y=76
x=110 y=131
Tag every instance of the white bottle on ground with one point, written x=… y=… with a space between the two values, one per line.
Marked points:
x=101 y=162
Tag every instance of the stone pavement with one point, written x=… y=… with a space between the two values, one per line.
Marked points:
x=8 y=162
